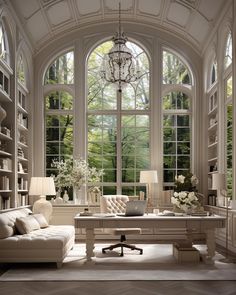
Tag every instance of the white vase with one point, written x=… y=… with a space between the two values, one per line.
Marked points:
x=58 y=199
x=79 y=197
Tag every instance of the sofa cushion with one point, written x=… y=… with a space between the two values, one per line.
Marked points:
x=7 y=221
x=41 y=220
x=27 y=224
x=52 y=237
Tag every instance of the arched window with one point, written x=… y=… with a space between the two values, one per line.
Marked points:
x=174 y=70
x=4 y=48
x=176 y=118
x=213 y=73
x=118 y=129
x=59 y=112
x=61 y=71
x=228 y=51
x=21 y=70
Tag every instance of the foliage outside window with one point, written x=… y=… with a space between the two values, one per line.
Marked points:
x=118 y=130
x=61 y=71
x=59 y=119
x=174 y=70
x=176 y=124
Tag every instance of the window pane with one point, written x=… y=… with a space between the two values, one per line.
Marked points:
x=176 y=145
x=228 y=51
x=229 y=87
x=59 y=100
x=61 y=71
x=21 y=70
x=176 y=100
x=174 y=70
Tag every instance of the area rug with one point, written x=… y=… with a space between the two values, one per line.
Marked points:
x=156 y=263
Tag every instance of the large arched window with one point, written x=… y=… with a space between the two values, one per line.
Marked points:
x=59 y=111
x=118 y=128
x=176 y=121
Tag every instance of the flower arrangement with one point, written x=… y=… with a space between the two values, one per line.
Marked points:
x=75 y=173
x=185 y=197
x=186 y=183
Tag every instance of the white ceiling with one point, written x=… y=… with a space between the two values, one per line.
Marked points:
x=191 y=19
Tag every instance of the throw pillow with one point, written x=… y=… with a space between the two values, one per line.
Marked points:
x=41 y=220
x=26 y=224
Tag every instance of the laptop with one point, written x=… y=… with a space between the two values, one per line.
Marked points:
x=134 y=208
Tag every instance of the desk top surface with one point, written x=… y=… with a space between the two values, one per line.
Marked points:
x=149 y=217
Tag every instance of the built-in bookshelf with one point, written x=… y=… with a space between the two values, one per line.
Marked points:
x=6 y=138
x=22 y=146
x=212 y=147
x=14 y=151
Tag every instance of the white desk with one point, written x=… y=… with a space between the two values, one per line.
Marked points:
x=206 y=224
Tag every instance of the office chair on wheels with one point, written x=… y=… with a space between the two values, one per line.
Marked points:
x=116 y=204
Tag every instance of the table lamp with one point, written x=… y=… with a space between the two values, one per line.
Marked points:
x=219 y=183
x=42 y=186
x=148 y=177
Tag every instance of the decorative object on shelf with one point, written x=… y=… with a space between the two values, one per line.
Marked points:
x=219 y=183
x=58 y=200
x=65 y=197
x=185 y=195
x=42 y=186
x=3 y=114
x=75 y=173
x=119 y=65
x=148 y=177
x=94 y=195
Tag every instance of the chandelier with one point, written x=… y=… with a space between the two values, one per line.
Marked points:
x=119 y=65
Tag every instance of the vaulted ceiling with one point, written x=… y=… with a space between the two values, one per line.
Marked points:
x=43 y=20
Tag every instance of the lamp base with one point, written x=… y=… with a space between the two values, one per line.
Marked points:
x=44 y=207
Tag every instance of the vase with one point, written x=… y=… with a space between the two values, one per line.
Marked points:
x=79 y=197
x=58 y=199
x=3 y=114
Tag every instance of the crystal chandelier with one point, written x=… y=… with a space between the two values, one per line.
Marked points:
x=119 y=65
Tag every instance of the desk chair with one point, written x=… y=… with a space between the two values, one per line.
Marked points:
x=116 y=204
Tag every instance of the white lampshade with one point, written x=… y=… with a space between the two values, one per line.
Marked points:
x=149 y=176
x=218 y=181
x=42 y=186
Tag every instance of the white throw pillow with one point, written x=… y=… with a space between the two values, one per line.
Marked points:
x=41 y=220
x=27 y=224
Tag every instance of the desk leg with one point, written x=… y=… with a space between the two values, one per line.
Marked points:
x=210 y=241
x=89 y=244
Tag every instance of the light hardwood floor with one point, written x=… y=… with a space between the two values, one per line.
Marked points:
x=120 y=287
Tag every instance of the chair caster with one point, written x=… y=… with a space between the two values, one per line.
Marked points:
x=141 y=252
x=103 y=251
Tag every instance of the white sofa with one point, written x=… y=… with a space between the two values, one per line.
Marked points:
x=47 y=244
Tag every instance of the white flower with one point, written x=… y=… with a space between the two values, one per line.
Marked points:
x=182 y=195
x=194 y=180
x=75 y=173
x=185 y=200
x=180 y=178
